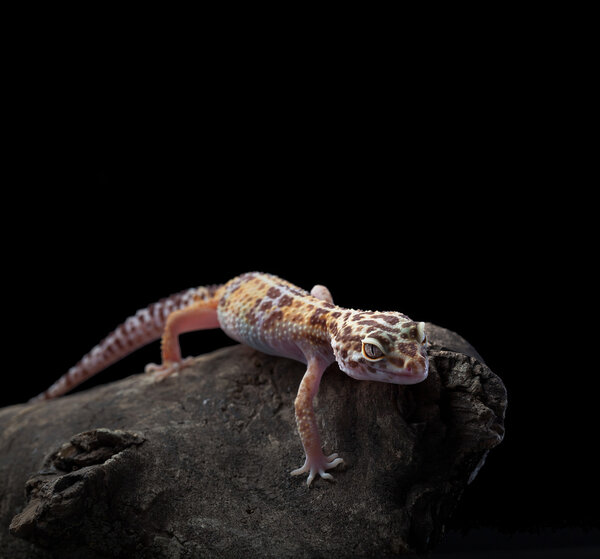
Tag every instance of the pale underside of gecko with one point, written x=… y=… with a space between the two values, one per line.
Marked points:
x=278 y=318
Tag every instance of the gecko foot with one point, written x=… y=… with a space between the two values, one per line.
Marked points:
x=166 y=369
x=318 y=465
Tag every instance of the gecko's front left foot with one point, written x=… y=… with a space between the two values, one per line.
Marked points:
x=167 y=368
x=318 y=465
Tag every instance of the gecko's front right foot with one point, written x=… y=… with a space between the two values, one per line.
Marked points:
x=318 y=465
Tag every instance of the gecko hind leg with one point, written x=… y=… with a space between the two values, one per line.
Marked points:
x=198 y=316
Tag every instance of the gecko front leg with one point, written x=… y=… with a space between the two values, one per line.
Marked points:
x=321 y=292
x=316 y=462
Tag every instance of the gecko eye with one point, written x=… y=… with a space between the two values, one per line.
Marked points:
x=372 y=350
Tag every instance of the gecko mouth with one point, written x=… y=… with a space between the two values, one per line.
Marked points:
x=415 y=372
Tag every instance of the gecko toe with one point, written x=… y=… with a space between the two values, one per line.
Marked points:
x=302 y=470
x=334 y=463
x=325 y=475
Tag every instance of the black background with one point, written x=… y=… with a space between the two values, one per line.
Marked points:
x=450 y=200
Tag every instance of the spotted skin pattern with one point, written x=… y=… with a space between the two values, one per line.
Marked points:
x=278 y=318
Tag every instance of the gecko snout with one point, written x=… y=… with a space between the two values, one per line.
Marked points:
x=417 y=368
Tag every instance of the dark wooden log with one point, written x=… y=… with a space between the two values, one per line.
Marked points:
x=198 y=465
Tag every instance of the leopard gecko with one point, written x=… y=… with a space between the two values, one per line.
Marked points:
x=278 y=318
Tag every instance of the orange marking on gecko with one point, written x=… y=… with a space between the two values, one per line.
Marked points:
x=276 y=317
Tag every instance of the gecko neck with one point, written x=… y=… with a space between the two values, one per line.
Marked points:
x=308 y=325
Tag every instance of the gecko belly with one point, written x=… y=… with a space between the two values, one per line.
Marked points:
x=249 y=329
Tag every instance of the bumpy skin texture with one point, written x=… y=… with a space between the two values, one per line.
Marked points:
x=276 y=317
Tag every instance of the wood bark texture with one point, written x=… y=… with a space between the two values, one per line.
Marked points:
x=198 y=465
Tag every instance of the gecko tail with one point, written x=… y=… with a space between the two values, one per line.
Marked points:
x=144 y=327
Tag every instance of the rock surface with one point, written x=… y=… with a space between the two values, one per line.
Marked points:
x=198 y=465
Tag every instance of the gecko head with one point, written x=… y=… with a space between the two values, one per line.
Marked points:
x=386 y=347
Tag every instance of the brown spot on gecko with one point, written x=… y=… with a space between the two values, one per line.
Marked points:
x=251 y=318
x=316 y=340
x=347 y=333
x=396 y=361
x=372 y=369
x=285 y=301
x=273 y=317
x=295 y=291
x=318 y=318
x=333 y=329
x=377 y=325
x=273 y=293
x=408 y=349
x=235 y=286
x=265 y=306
